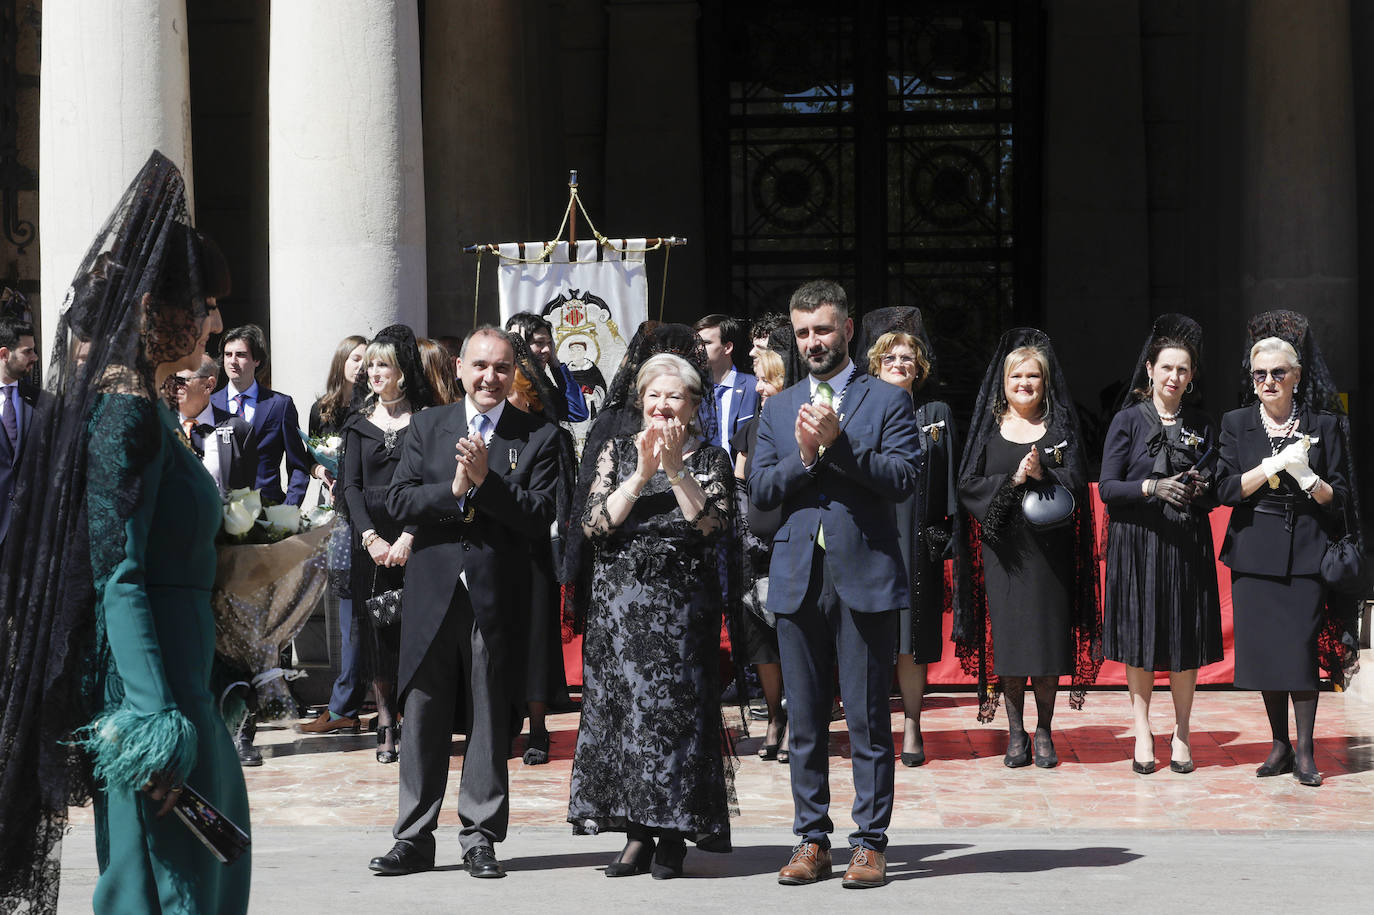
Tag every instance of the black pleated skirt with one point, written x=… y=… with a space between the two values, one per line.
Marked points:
x=1160 y=606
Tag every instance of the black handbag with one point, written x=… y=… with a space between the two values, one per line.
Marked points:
x=384 y=609
x=1343 y=564
x=1047 y=505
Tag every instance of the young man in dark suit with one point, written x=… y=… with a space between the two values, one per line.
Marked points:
x=736 y=398
x=272 y=414
x=478 y=478
x=836 y=452
x=17 y=399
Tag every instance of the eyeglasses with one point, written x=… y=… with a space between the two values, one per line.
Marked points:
x=1277 y=374
x=892 y=359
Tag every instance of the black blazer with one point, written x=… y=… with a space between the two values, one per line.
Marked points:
x=489 y=539
x=1259 y=543
x=237 y=443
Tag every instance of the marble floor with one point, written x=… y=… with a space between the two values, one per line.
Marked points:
x=335 y=780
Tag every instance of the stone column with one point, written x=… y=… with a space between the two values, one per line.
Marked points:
x=484 y=125
x=346 y=181
x=1299 y=216
x=115 y=87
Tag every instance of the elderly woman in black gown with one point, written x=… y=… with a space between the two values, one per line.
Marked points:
x=1037 y=586
x=1160 y=608
x=1286 y=468
x=900 y=353
x=649 y=757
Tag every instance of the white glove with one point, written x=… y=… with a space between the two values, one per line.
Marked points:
x=1274 y=465
x=1296 y=453
x=1301 y=471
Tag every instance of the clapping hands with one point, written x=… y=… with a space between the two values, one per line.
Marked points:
x=1029 y=467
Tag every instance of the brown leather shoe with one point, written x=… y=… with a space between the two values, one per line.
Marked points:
x=810 y=862
x=867 y=868
x=325 y=725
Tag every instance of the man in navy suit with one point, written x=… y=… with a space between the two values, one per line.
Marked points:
x=272 y=414
x=836 y=451
x=736 y=398
x=17 y=398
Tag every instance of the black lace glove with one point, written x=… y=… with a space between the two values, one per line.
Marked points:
x=1174 y=490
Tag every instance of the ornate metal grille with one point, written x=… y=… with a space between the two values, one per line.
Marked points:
x=888 y=144
x=19 y=232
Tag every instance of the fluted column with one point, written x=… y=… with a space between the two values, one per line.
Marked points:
x=346 y=181
x=1300 y=238
x=115 y=87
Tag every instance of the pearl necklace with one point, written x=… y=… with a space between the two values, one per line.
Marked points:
x=388 y=403
x=1279 y=430
x=1166 y=417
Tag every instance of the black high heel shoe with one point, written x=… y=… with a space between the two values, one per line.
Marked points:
x=668 y=859
x=769 y=751
x=638 y=864
x=388 y=756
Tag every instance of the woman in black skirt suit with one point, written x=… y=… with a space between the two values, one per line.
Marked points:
x=1284 y=469
x=1036 y=587
x=372 y=438
x=1160 y=609
x=899 y=352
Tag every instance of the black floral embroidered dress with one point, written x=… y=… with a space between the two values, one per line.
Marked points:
x=649 y=745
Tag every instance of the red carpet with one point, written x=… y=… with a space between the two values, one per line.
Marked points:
x=947 y=671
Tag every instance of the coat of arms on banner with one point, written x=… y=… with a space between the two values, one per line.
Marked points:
x=589 y=343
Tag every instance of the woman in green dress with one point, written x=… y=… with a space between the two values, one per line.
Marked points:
x=111 y=488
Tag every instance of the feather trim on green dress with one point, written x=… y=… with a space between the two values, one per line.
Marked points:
x=129 y=748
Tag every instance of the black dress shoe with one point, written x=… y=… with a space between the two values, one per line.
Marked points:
x=403 y=859
x=1140 y=768
x=1283 y=765
x=1309 y=777
x=249 y=755
x=481 y=862
x=668 y=859
x=1014 y=758
x=1045 y=757
x=911 y=760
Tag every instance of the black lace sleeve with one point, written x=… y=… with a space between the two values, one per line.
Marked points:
x=596 y=521
x=711 y=467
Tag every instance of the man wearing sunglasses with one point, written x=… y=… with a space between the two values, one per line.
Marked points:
x=225 y=443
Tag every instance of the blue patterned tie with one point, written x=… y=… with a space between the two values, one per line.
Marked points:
x=11 y=421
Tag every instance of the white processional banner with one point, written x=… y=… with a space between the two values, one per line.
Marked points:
x=594 y=306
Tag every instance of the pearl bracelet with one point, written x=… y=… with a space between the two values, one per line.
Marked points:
x=626 y=494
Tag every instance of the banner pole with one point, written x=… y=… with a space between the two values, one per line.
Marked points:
x=572 y=214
